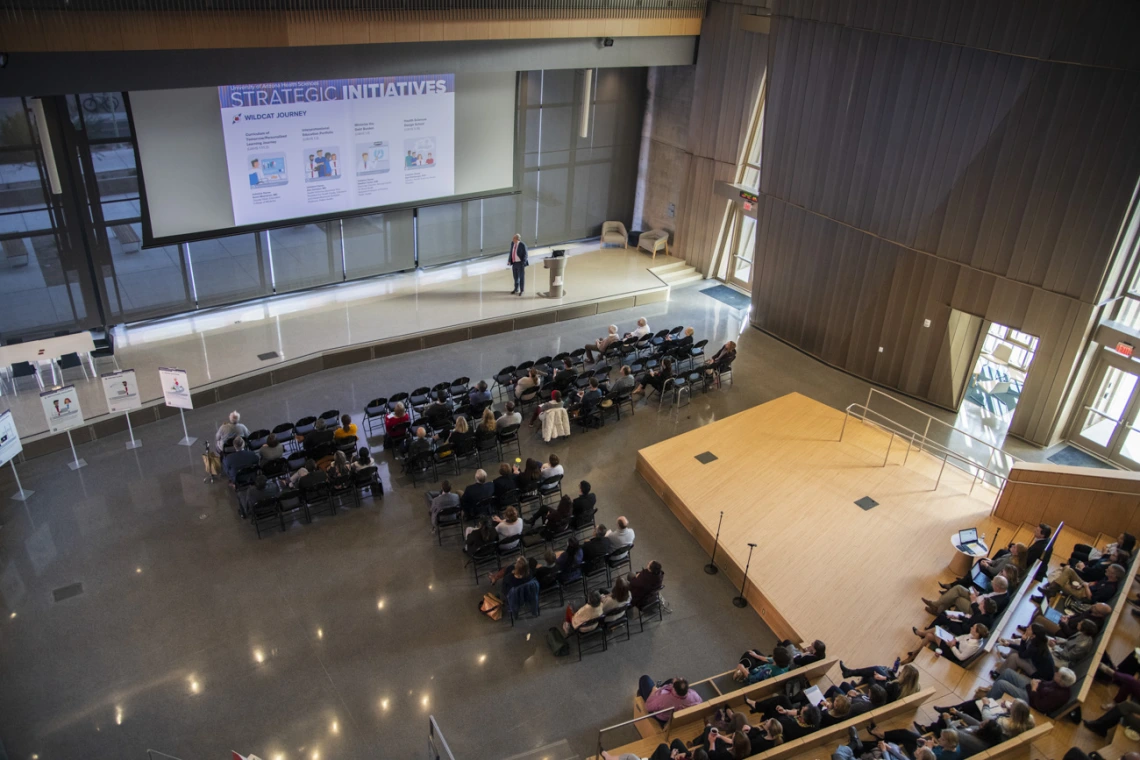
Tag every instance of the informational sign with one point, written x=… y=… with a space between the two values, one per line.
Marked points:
x=175 y=388
x=10 y=444
x=61 y=408
x=121 y=390
x=298 y=149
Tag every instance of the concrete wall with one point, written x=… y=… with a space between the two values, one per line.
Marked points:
x=665 y=155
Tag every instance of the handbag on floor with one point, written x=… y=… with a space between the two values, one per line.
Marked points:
x=559 y=646
x=491 y=606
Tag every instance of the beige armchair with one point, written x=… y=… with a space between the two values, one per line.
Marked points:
x=654 y=241
x=615 y=233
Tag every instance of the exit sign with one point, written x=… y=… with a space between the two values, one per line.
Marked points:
x=749 y=197
x=1124 y=349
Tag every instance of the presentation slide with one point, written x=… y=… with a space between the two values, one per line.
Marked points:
x=299 y=149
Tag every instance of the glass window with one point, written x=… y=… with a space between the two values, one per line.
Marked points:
x=115 y=171
x=230 y=269
x=304 y=256
x=35 y=294
x=378 y=244
x=445 y=233
x=104 y=115
x=143 y=282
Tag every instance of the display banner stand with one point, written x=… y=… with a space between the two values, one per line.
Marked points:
x=186 y=439
x=20 y=495
x=78 y=462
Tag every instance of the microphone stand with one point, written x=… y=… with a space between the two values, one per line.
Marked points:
x=740 y=601
x=711 y=567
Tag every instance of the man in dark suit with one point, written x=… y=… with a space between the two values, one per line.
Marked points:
x=318 y=436
x=1041 y=535
x=596 y=549
x=476 y=493
x=583 y=505
x=516 y=257
x=239 y=458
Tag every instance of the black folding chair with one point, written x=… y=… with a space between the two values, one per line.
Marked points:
x=290 y=502
x=485 y=556
x=375 y=410
x=591 y=629
x=508 y=438
x=648 y=609
x=486 y=447
x=550 y=488
x=618 y=558
x=420 y=464
x=264 y=511
x=451 y=517
x=286 y=434
x=256 y=439
x=304 y=426
x=317 y=500
x=367 y=479
x=616 y=619
x=504 y=378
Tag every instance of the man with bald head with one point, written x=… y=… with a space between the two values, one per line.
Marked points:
x=1067 y=626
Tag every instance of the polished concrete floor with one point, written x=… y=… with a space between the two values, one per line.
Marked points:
x=338 y=639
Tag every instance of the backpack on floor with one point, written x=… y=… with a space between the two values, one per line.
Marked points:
x=559 y=646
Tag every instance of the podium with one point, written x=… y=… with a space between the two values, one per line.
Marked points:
x=557 y=266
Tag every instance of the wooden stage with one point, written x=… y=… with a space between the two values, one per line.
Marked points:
x=824 y=567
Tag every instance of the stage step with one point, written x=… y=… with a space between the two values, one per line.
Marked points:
x=672 y=266
x=677 y=274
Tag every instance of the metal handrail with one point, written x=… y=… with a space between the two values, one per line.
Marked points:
x=434 y=732
x=917 y=440
x=628 y=723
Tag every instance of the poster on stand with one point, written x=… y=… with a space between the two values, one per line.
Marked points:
x=61 y=409
x=10 y=444
x=175 y=388
x=121 y=390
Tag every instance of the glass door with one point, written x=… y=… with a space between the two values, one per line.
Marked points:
x=743 y=249
x=1107 y=425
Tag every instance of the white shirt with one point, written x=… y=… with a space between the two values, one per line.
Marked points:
x=620 y=537
x=514 y=418
x=584 y=614
x=550 y=472
x=640 y=331
x=506 y=529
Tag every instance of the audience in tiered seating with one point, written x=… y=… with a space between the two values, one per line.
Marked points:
x=1086 y=553
x=1125 y=707
x=672 y=694
x=769 y=667
x=1069 y=582
x=1042 y=695
x=1015 y=554
x=1031 y=656
x=966 y=600
x=897 y=682
x=957 y=650
x=945 y=748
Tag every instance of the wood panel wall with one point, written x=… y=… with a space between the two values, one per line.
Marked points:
x=730 y=67
x=1089 y=500
x=57 y=31
x=904 y=178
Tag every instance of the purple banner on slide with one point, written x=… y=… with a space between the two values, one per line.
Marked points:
x=324 y=90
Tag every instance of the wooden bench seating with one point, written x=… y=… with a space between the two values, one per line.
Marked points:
x=1018 y=746
x=652 y=728
x=836 y=734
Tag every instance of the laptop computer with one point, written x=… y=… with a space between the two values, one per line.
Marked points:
x=968 y=542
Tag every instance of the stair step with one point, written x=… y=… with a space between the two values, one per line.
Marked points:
x=688 y=279
x=672 y=266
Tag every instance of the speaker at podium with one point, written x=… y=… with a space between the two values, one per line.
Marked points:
x=557 y=266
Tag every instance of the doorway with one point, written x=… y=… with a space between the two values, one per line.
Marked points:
x=1107 y=424
x=997 y=381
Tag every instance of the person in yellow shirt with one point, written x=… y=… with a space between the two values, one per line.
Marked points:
x=346 y=431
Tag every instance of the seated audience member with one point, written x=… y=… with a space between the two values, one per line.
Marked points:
x=461 y=436
x=800 y=722
x=673 y=694
x=547 y=573
x=1095 y=569
x=346 y=431
x=684 y=340
x=1030 y=656
x=1036 y=549
x=505 y=483
x=1068 y=625
x=591 y=610
x=261 y=490
x=945 y=747
x=558 y=515
x=439 y=501
x=1070 y=583
x=641 y=330
x=319 y=436
x=564 y=377
x=395 y=419
x=1071 y=651
x=271 y=449
x=231 y=428
x=569 y=562
x=339 y=467
x=1012 y=717
x=1125 y=711
x=966 y=599
x=552 y=467
x=239 y=458
x=589 y=398
x=623 y=536
x=420 y=445
x=732 y=745
x=805 y=654
x=1085 y=553
x=678 y=751
x=530 y=380
x=529 y=477
x=1043 y=696
x=487 y=423
x=646 y=585
x=959 y=623
x=479 y=395
x=510 y=416
x=475 y=494
x=727 y=354
x=778 y=664
x=992 y=567
x=766 y=736
x=655 y=378
x=313 y=477
x=595 y=550
x=1128 y=685
x=480 y=536
x=595 y=350
x=363 y=459
x=295 y=477
x=618 y=595
x=896 y=683
x=555 y=402
x=438 y=414
x=509 y=524
x=625 y=382
x=584 y=504
x=518 y=575
x=960 y=649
